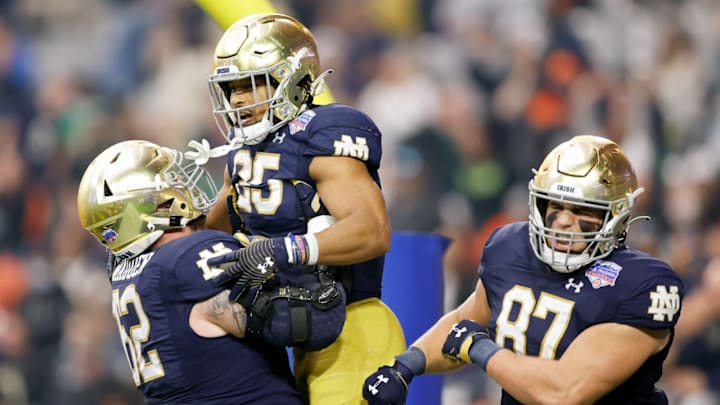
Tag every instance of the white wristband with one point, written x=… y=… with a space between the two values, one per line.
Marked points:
x=312 y=249
x=302 y=249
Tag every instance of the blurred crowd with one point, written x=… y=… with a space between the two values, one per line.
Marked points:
x=470 y=95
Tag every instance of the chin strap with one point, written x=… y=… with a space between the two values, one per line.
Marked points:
x=202 y=152
x=644 y=217
x=318 y=85
x=623 y=235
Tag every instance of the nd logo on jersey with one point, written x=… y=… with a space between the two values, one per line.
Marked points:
x=665 y=303
x=347 y=147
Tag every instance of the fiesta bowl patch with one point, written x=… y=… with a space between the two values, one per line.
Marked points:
x=603 y=273
x=299 y=123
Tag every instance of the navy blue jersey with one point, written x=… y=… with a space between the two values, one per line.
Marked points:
x=539 y=312
x=272 y=189
x=152 y=295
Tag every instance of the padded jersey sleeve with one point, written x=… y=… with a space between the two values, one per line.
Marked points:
x=656 y=301
x=191 y=279
x=484 y=256
x=489 y=278
x=504 y=242
x=344 y=131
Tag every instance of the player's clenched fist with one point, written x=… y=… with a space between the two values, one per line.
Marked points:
x=389 y=385
x=469 y=342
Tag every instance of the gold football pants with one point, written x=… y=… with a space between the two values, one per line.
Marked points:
x=371 y=337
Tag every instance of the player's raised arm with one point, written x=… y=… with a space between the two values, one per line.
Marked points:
x=362 y=230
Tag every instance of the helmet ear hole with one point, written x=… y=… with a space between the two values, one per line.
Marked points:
x=299 y=90
x=305 y=85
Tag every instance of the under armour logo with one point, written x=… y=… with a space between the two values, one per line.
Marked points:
x=381 y=379
x=458 y=332
x=571 y=284
x=279 y=137
x=263 y=267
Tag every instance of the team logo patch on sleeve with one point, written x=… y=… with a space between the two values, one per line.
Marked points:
x=299 y=123
x=603 y=274
x=347 y=146
x=664 y=303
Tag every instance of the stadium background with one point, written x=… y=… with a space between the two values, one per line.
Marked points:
x=470 y=94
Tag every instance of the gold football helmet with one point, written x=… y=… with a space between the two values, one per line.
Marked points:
x=135 y=190
x=274 y=48
x=588 y=171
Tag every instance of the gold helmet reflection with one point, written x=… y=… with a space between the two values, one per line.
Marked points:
x=135 y=190
x=588 y=171
x=275 y=48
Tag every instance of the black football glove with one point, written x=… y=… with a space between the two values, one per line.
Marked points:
x=250 y=266
x=469 y=342
x=388 y=385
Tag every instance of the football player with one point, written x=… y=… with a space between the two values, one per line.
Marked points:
x=182 y=336
x=302 y=181
x=570 y=314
